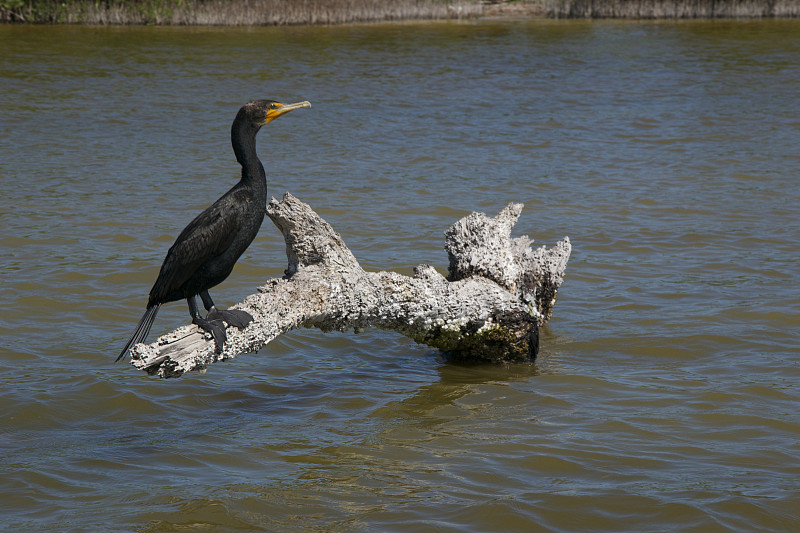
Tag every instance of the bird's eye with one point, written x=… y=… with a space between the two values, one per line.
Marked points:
x=273 y=106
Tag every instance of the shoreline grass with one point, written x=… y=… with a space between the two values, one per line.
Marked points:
x=301 y=12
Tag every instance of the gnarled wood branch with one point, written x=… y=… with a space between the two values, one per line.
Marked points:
x=498 y=291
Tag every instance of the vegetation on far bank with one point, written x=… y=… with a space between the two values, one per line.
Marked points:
x=231 y=12
x=284 y=12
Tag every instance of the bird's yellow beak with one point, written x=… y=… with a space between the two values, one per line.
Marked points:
x=276 y=109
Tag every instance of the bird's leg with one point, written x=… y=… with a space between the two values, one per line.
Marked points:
x=213 y=326
x=234 y=317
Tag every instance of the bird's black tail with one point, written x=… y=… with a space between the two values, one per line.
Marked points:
x=141 y=330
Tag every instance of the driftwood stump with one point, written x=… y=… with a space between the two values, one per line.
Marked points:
x=497 y=293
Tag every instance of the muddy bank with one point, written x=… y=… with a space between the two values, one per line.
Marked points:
x=671 y=9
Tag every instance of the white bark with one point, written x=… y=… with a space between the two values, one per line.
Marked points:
x=489 y=308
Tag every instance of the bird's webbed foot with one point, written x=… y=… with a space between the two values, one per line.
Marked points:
x=234 y=317
x=216 y=328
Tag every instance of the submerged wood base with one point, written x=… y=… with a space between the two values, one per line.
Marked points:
x=489 y=307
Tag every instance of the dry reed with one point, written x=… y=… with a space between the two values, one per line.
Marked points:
x=284 y=12
x=233 y=12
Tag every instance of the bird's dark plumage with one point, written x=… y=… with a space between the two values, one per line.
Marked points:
x=207 y=249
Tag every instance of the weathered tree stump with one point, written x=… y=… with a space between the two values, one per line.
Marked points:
x=497 y=293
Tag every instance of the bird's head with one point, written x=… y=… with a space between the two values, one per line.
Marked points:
x=262 y=112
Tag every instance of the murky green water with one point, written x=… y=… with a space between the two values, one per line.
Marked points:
x=666 y=394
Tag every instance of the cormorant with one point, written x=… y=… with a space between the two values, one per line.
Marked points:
x=206 y=250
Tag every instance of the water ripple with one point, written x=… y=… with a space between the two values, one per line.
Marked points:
x=665 y=394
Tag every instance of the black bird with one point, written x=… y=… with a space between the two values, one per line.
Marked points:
x=206 y=250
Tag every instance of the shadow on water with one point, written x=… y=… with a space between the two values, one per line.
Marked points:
x=456 y=381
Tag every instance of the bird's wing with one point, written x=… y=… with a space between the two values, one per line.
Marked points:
x=206 y=237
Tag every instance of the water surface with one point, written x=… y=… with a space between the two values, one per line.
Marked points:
x=665 y=397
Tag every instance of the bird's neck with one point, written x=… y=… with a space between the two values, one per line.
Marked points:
x=243 y=138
